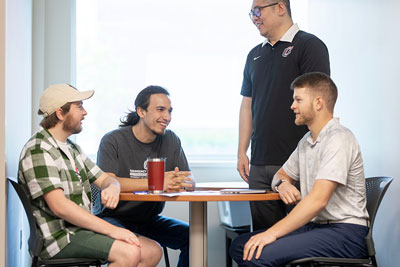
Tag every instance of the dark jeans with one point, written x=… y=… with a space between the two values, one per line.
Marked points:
x=264 y=214
x=166 y=231
x=341 y=240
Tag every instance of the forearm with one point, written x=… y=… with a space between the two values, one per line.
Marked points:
x=130 y=185
x=109 y=181
x=281 y=175
x=301 y=214
x=245 y=125
x=306 y=209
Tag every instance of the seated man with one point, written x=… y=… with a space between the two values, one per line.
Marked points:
x=57 y=175
x=330 y=218
x=123 y=153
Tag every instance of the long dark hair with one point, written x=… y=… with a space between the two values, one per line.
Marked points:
x=142 y=101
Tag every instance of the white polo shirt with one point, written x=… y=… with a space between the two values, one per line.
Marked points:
x=335 y=155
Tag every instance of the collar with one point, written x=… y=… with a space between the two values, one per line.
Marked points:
x=323 y=132
x=47 y=137
x=288 y=36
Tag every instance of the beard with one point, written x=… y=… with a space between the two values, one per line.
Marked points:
x=305 y=118
x=72 y=126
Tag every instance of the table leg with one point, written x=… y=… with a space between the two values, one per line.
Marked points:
x=198 y=234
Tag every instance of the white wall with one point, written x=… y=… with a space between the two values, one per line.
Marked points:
x=3 y=196
x=18 y=119
x=363 y=38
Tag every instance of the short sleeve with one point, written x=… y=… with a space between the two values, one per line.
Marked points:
x=247 y=86
x=291 y=166
x=107 y=155
x=92 y=170
x=180 y=158
x=336 y=159
x=315 y=57
x=40 y=172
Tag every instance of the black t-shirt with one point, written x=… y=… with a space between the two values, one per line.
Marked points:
x=124 y=155
x=268 y=74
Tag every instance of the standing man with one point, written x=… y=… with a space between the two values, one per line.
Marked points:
x=265 y=117
x=330 y=218
x=57 y=175
x=124 y=152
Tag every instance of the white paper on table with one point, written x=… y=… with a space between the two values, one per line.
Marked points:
x=193 y=193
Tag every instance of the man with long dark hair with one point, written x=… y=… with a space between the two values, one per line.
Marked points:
x=123 y=153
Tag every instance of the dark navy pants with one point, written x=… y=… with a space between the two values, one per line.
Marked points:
x=343 y=240
x=166 y=231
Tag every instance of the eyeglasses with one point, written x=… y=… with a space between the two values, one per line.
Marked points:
x=257 y=10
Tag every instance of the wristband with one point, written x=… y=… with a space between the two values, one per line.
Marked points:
x=278 y=184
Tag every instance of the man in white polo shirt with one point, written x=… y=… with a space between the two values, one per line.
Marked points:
x=330 y=218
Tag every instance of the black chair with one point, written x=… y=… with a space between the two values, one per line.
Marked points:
x=95 y=192
x=376 y=189
x=230 y=234
x=36 y=241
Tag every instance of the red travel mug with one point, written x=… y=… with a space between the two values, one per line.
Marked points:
x=155 y=175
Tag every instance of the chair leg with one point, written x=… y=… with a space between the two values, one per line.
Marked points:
x=228 y=242
x=34 y=261
x=166 y=258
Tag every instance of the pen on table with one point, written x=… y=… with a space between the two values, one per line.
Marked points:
x=140 y=192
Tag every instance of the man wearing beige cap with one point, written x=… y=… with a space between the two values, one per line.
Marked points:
x=57 y=175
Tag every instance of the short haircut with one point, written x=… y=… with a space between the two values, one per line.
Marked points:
x=142 y=101
x=287 y=4
x=319 y=84
x=51 y=120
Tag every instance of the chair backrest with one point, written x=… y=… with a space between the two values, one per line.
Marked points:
x=376 y=188
x=95 y=192
x=35 y=241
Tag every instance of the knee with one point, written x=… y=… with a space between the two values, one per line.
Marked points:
x=124 y=254
x=132 y=255
x=151 y=253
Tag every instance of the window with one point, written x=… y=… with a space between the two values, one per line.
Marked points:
x=195 y=49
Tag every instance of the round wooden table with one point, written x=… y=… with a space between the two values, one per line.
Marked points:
x=198 y=214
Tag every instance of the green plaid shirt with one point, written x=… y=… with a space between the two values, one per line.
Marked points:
x=43 y=166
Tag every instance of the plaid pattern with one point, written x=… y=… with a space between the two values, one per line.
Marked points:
x=43 y=166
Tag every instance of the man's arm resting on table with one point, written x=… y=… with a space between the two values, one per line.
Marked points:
x=245 y=130
x=175 y=180
x=288 y=193
x=110 y=189
x=304 y=211
x=72 y=213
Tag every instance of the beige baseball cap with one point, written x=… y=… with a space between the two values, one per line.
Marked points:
x=58 y=95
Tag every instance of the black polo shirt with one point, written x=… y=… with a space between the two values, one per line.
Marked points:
x=268 y=74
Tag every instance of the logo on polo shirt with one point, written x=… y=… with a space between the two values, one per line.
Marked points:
x=287 y=51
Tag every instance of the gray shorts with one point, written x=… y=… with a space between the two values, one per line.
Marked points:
x=87 y=244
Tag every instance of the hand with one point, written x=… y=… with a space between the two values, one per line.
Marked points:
x=178 y=181
x=243 y=166
x=110 y=196
x=125 y=235
x=289 y=193
x=257 y=242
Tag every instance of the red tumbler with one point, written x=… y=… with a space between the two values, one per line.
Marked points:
x=155 y=175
